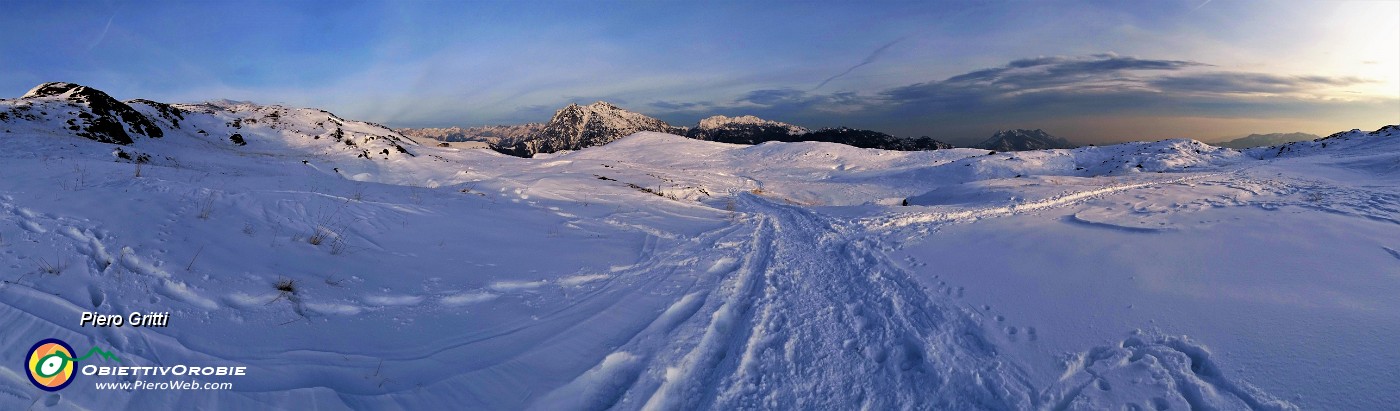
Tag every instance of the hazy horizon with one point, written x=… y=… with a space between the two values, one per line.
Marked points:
x=1094 y=73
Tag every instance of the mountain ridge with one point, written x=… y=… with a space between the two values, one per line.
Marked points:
x=576 y=127
x=86 y=112
x=1261 y=140
x=1024 y=140
x=486 y=134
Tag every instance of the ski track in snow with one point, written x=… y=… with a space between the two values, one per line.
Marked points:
x=907 y=219
x=852 y=331
x=840 y=333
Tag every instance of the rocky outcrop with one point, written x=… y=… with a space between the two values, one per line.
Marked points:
x=91 y=113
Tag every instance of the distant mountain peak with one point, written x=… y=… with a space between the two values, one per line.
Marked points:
x=575 y=127
x=486 y=134
x=754 y=130
x=1024 y=140
x=1260 y=140
x=719 y=122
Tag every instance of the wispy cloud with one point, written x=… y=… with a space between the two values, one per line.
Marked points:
x=103 y=35
x=874 y=55
x=1248 y=83
x=675 y=105
x=1092 y=80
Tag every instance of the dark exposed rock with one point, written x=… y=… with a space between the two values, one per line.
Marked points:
x=109 y=120
x=755 y=132
x=168 y=112
x=139 y=158
x=741 y=134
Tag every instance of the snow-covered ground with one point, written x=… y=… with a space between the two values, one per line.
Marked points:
x=659 y=272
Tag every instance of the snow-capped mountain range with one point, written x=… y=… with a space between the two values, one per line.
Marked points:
x=1023 y=140
x=721 y=122
x=743 y=130
x=576 y=127
x=485 y=134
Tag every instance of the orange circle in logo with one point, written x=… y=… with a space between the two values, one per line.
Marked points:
x=50 y=364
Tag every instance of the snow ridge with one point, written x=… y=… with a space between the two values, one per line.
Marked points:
x=1350 y=139
x=81 y=111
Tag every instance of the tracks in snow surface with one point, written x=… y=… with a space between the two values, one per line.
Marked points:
x=808 y=313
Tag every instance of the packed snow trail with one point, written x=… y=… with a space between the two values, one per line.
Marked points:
x=896 y=220
x=815 y=321
x=815 y=317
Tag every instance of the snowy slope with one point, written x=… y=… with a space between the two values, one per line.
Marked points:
x=660 y=272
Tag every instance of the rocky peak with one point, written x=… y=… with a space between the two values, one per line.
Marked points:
x=575 y=127
x=60 y=89
x=100 y=117
x=1022 y=140
x=602 y=105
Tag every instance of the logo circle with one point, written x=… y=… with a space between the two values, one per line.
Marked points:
x=49 y=364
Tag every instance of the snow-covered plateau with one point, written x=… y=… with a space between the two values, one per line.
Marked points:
x=348 y=267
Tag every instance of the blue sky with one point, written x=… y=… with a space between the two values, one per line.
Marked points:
x=958 y=71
